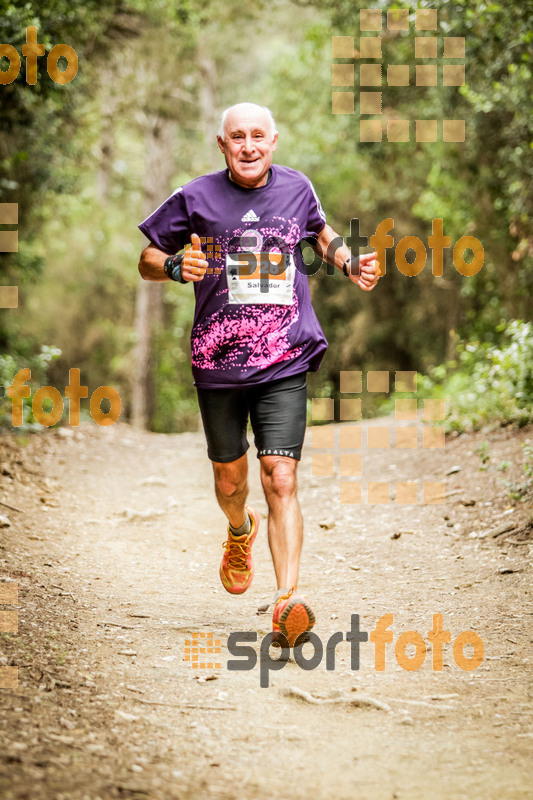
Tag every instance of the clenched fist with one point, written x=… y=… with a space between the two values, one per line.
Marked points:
x=369 y=272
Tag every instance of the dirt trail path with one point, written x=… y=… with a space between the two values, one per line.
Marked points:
x=116 y=552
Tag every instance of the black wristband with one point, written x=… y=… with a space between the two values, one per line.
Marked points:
x=172 y=268
x=354 y=266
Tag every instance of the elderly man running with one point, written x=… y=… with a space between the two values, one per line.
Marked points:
x=255 y=334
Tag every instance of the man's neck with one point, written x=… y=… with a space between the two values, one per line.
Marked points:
x=268 y=177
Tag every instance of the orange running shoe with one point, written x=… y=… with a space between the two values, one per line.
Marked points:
x=292 y=616
x=237 y=567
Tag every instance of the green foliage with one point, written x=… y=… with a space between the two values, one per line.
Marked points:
x=483 y=451
x=481 y=187
x=528 y=455
x=39 y=365
x=38 y=158
x=489 y=383
x=176 y=404
x=85 y=297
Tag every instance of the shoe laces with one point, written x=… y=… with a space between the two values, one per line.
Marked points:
x=237 y=552
x=284 y=596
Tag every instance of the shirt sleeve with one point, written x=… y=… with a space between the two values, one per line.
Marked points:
x=168 y=227
x=316 y=218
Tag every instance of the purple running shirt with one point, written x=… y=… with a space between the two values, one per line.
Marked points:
x=253 y=321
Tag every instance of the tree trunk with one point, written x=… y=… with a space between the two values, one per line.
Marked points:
x=207 y=101
x=106 y=147
x=149 y=300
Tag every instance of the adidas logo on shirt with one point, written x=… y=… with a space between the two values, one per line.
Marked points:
x=250 y=216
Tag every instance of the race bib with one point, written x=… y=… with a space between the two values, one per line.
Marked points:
x=260 y=278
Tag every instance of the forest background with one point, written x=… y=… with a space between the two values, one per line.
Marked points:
x=88 y=160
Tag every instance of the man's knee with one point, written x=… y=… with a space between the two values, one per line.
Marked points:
x=230 y=479
x=278 y=475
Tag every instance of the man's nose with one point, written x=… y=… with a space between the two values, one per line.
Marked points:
x=249 y=142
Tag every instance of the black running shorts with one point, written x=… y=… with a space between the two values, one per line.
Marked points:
x=277 y=411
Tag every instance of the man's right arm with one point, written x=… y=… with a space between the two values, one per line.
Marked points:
x=151 y=264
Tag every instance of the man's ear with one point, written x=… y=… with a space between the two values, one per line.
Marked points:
x=275 y=141
x=220 y=142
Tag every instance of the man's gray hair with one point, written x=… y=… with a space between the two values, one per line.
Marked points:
x=222 y=126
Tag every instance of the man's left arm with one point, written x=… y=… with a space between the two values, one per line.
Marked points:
x=363 y=270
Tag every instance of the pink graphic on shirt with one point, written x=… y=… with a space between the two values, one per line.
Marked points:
x=248 y=336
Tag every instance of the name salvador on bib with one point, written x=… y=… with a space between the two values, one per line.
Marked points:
x=260 y=278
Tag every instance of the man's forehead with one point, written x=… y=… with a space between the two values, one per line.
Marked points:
x=242 y=120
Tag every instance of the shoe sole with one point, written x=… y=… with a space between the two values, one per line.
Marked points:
x=280 y=640
x=297 y=618
x=239 y=589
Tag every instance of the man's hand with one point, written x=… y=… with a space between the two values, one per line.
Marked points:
x=194 y=265
x=331 y=248
x=369 y=272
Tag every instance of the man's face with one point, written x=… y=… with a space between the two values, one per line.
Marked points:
x=248 y=146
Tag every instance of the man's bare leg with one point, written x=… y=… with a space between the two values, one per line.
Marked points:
x=293 y=616
x=231 y=488
x=285 y=522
